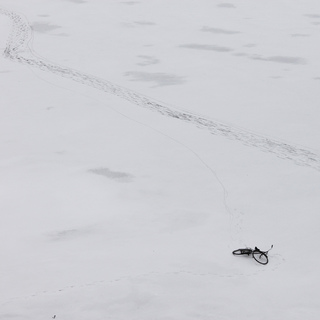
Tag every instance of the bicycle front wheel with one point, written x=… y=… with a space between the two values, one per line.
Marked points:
x=260 y=257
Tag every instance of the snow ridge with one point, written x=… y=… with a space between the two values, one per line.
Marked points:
x=17 y=49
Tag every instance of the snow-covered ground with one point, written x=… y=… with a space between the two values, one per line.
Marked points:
x=142 y=142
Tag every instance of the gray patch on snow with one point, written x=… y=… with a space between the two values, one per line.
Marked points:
x=114 y=175
x=161 y=79
x=141 y=23
x=226 y=5
x=280 y=59
x=300 y=35
x=250 y=45
x=207 y=47
x=44 y=27
x=240 y=54
x=218 y=30
x=147 y=60
x=145 y=23
x=130 y=3
x=70 y=234
x=64 y=234
x=313 y=16
x=61 y=152
x=76 y=1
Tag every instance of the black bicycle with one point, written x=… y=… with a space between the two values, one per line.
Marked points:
x=257 y=254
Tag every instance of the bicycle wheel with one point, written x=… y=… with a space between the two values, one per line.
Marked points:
x=260 y=257
x=240 y=252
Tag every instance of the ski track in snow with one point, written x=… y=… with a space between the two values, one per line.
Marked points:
x=18 y=50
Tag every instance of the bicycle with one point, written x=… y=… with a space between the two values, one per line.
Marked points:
x=258 y=255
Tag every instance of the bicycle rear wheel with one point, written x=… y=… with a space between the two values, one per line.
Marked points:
x=260 y=257
x=240 y=252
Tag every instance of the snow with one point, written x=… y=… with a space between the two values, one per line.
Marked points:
x=129 y=205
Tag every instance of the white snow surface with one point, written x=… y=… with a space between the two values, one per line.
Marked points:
x=142 y=142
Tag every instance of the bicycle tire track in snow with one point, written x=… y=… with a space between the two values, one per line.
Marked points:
x=17 y=49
